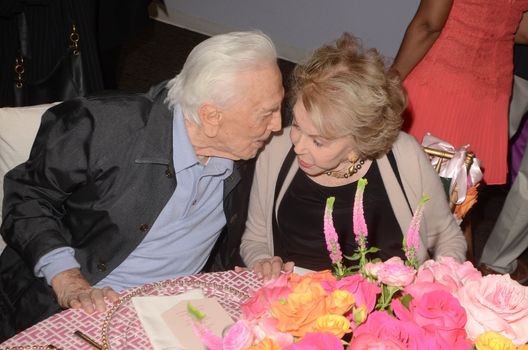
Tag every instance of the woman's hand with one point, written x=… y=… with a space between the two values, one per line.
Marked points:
x=270 y=268
x=74 y=291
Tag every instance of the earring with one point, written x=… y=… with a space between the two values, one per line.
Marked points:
x=352 y=158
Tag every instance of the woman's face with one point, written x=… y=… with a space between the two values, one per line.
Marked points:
x=316 y=154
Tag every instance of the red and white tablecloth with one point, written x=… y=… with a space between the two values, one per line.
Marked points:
x=125 y=331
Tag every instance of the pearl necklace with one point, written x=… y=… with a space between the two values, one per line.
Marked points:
x=354 y=168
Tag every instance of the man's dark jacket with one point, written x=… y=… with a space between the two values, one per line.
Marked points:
x=100 y=172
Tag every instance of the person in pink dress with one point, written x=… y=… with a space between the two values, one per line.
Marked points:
x=456 y=59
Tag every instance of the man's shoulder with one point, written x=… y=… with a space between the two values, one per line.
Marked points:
x=113 y=108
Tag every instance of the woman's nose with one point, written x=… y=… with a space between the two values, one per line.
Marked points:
x=299 y=144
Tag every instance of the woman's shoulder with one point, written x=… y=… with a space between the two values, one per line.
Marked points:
x=405 y=140
x=279 y=143
x=274 y=153
x=409 y=154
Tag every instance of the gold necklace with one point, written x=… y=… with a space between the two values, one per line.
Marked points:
x=354 y=168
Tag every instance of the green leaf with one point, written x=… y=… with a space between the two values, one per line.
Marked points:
x=195 y=312
x=355 y=256
x=406 y=300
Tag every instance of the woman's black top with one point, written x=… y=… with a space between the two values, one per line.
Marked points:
x=299 y=235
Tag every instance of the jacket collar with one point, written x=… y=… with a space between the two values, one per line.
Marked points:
x=157 y=146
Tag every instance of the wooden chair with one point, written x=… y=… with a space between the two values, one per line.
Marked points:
x=442 y=157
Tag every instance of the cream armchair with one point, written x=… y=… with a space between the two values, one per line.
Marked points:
x=18 y=128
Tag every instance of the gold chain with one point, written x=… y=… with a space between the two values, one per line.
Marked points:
x=163 y=284
x=349 y=172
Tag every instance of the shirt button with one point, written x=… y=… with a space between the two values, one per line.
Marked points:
x=143 y=227
x=101 y=267
x=168 y=173
x=193 y=202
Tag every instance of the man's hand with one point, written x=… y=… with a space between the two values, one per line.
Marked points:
x=271 y=268
x=74 y=291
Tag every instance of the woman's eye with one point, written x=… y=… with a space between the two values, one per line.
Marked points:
x=317 y=143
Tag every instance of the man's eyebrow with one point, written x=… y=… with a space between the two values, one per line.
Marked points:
x=270 y=109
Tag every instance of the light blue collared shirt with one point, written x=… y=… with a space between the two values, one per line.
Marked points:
x=181 y=238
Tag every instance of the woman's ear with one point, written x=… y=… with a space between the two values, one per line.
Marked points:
x=352 y=157
x=210 y=118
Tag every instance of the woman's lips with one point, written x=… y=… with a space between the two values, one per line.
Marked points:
x=304 y=164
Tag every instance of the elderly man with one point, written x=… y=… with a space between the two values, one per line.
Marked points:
x=124 y=190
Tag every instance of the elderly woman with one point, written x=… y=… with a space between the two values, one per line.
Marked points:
x=346 y=126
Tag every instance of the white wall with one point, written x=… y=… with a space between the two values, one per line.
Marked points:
x=298 y=26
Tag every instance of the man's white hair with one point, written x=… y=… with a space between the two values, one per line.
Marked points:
x=209 y=73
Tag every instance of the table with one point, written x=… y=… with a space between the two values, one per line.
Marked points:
x=58 y=329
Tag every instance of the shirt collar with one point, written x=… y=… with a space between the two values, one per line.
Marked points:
x=219 y=166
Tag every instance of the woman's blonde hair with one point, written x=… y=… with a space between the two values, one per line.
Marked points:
x=347 y=91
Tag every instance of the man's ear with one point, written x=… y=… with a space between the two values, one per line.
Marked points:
x=210 y=117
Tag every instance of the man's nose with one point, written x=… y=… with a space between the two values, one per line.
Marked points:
x=276 y=122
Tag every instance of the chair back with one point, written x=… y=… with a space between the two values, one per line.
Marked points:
x=440 y=159
x=446 y=156
x=18 y=128
x=460 y=173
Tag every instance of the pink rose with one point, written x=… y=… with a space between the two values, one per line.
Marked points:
x=447 y=271
x=259 y=304
x=395 y=273
x=418 y=289
x=385 y=327
x=368 y=341
x=266 y=327
x=440 y=315
x=238 y=337
x=317 y=341
x=363 y=291
x=372 y=268
x=496 y=303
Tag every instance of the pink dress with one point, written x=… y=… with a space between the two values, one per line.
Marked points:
x=460 y=90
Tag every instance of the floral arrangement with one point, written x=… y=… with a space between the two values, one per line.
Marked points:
x=394 y=304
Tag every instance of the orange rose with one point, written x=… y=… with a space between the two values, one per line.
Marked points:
x=319 y=276
x=493 y=341
x=339 y=302
x=298 y=313
x=265 y=344
x=336 y=324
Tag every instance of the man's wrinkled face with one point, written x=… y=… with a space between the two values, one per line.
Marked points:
x=248 y=122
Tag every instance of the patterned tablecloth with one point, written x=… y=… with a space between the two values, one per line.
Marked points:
x=125 y=331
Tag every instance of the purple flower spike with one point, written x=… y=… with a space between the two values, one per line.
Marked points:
x=332 y=241
x=411 y=241
x=360 y=226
